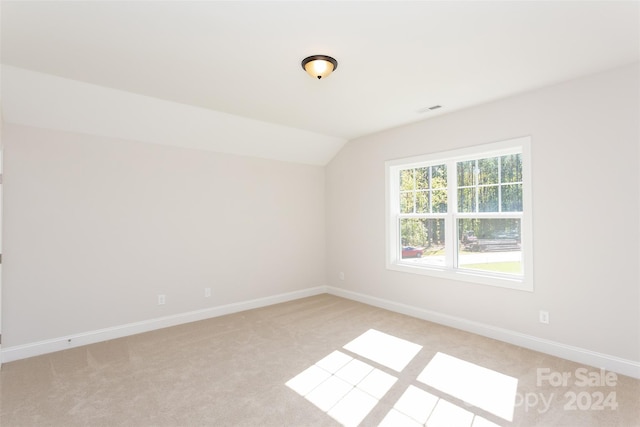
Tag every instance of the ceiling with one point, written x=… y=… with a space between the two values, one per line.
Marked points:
x=395 y=58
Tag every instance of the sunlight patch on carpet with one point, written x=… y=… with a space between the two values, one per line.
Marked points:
x=479 y=386
x=392 y=352
x=415 y=404
x=446 y=414
x=347 y=389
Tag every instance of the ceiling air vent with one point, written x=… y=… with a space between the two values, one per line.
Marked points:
x=427 y=109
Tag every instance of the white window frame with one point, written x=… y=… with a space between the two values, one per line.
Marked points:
x=393 y=247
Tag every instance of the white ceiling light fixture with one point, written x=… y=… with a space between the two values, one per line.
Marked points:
x=319 y=66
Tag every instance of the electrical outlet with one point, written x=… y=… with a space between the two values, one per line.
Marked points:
x=544 y=316
x=207 y=292
x=341 y=275
x=161 y=299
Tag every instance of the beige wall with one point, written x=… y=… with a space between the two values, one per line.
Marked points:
x=585 y=140
x=96 y=228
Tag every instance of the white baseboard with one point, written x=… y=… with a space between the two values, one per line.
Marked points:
x=18 y=352
x=576 y=354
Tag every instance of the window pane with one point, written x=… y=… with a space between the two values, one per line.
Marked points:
x=422 y=178
x=511 y=168
x=422 y=202
x=422 y=240
x=406 y=179
x=488 y=171
x=488 y=199
x=413 y=232
x=439 y=201
x=406 y=202
x=465 y=173
x=512 y=198
x=466 y=201
x=490 y=245
x=439 y=176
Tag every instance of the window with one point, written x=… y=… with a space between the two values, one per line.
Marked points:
x=463 y=214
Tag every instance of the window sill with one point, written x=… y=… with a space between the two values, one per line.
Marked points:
x=512 y=282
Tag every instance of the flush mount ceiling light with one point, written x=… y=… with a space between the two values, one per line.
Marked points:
x=319 y=66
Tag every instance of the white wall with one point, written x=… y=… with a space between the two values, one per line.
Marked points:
x=585 y=140
x=96 y=227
